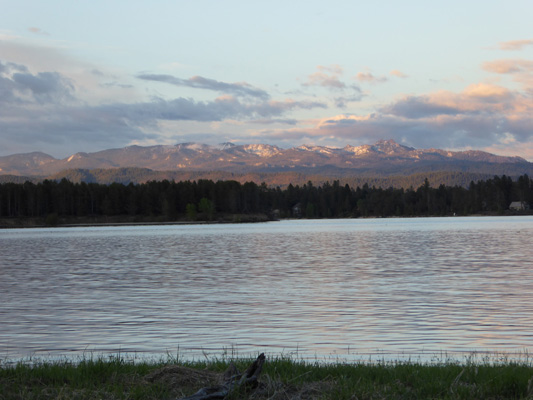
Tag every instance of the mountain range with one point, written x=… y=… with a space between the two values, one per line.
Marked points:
x=385 y=158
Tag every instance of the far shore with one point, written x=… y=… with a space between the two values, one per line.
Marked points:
x=16 y=223
x=7 y=223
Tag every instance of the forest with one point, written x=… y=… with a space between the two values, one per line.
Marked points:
x=205 y=200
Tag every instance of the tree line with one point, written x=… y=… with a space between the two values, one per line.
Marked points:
x=207 y=200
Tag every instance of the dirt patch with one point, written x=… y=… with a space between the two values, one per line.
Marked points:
x=275 y=390
x=182 y=379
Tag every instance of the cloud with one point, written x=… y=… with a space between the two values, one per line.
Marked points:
x=7 y=67
x=370 y=78
x=327 y=77
x=343 y=101
x=488 y=93
x=18 y=85
x=38 y=31
x=508 y=66
x=44 y=86
x=398 y=74
x=515 y=44
x=37 y=57
x=333 y=69
x=41 y=111
x=271 y=121
x=199 y=82
x=521 y=70
x=224 y=107
x=56 y=126
x=415 y=107
x=475 y=99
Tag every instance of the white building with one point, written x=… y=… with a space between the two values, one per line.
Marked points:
x=518 y=206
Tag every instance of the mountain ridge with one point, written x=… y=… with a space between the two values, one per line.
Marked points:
x=382 y=156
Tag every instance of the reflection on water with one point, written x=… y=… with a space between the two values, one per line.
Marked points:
x=328 y=287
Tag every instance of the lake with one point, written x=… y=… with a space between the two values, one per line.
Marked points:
x=315 y=289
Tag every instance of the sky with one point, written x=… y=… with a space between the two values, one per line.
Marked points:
x=88 y=76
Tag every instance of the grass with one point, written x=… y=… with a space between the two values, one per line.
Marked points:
x=282 y=378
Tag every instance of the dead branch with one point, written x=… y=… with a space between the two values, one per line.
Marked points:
x=233 y=380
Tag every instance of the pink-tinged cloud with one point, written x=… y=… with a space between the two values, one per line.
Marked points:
x=370 y=78
x=326 y=77
x=521 y=70
x=398 y=74
x=476 y=98
x=488 y=93
x=515 y=44
x=508 y=66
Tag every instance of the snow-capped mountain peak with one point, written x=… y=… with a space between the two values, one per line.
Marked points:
x=262 y=150
x=226 y=146
x=318 y=149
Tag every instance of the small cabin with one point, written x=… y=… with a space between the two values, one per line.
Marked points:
x=519 y=206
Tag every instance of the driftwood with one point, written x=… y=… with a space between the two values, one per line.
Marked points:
x=233 y=380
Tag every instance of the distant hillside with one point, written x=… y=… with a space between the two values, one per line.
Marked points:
x=282 y=179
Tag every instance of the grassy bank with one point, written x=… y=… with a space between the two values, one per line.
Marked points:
x=281 y=378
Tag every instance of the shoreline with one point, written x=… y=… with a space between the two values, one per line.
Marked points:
x=115 y=377
x=21 y=223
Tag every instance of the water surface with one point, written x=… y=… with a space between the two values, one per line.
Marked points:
x=321 y=288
